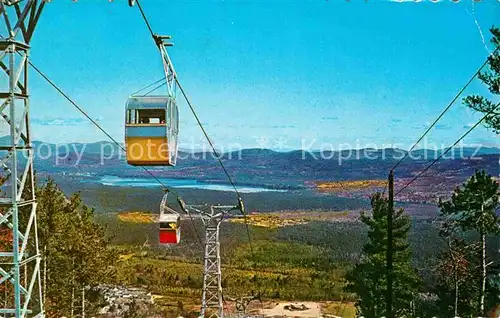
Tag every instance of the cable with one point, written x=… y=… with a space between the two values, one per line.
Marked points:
x=95 y=123
x=447 y=150
x=445 y=110
x=191 y=107
x=92 y=120
x=216 y=153
x=194 y=228
x=148 y=86
x=165 y=187
x=59 y=90
x=144 y=17
x=154 y=89
x=201 y=126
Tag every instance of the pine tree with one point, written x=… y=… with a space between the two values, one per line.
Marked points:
x=472 y=207
x=74 y=248
x=492 y=79
x=368 y=278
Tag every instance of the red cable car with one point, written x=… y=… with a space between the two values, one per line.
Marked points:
x=170 y=230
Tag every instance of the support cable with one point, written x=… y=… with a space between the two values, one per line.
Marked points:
x=145 y=19
x=81 y=110
x=216 y=153
x=148 y=86
x=447 y=150
x=155 y=88
x=444 y=110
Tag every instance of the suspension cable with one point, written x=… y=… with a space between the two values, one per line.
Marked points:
x=447 y=150
x=81 y=110
x=60 y=91
x=445 y=110
x=155 y=88
x=145 y=18
x=200 y=124
x=216 y=153
x=148 y=86
x=96 y=124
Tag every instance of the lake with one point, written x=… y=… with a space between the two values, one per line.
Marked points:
x=177 y=183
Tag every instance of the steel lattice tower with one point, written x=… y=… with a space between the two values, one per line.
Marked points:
x=212 y=216
x=20 y=284
x=212 y=276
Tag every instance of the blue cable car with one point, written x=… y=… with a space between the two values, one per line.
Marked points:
x=151 y=130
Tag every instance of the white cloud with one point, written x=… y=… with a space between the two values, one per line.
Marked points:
x=58 y=121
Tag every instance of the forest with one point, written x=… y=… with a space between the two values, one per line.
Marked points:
x=316 y=261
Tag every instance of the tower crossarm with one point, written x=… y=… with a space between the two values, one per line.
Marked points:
x=20 y=18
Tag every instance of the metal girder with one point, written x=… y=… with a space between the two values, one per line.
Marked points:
x=168 y=67
x=20 y=18
x=212 y=301
x=20 y=257
x=212 y=217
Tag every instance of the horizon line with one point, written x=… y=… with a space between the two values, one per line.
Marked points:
x=201 y=150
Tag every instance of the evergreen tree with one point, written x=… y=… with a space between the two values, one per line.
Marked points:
x=472 y=207
x=492 y=79
x=74 y=247
x=368 y=278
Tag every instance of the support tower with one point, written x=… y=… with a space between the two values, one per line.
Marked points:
x=20 y=285
x=212 y=216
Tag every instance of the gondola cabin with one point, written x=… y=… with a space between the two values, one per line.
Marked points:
x=151 y=129
x=170 y=231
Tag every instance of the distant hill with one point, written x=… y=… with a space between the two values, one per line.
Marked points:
x=364 y=153
x=89 y=148
x=108 y=147
x=265 y=167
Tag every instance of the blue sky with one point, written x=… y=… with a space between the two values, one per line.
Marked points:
x=268 y=73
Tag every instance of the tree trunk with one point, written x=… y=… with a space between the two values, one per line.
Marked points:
x=44 y=296
x=72 y=315
x=455 y=277
x=483 y=272
x=73 y=292
x=456 y=291
x=83 y=302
